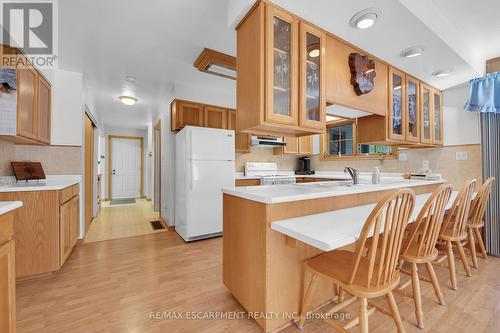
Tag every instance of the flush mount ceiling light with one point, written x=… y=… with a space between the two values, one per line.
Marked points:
x=127 y=100
x=314 y=53
x=365 y=18
x=442 y=73
x=216 y=63
x=411 y=52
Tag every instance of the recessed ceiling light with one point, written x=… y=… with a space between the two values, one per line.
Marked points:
x=442 y=73
x=127 y=100
x=365 y=18
x=411 y=52
x=314 y=53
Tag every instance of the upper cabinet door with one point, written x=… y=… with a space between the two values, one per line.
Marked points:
x=190 y=114
x=281 y=67
x=437 y=123
x=215 y=117
x=312 y=101
x=27 y=122
x=43 y=110
x=397 y=107
x=412 y=110
x=426 y=121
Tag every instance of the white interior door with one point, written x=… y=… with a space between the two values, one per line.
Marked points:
x=125 y=168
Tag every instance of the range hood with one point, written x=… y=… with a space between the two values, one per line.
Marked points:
x=267 y=141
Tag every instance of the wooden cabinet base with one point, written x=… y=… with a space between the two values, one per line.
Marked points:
x=7 y=275
x=263 y=270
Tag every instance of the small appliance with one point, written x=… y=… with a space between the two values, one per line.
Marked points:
x=304 y=166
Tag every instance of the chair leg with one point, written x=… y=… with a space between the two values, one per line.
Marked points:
x=451 y=265
x=472 y=246
x=363 y=315
x=395 y=312
x=481 y=243
x=417 y=299
x=463 y=258
x=435 y=283
x=306 y=304
x=341 y=295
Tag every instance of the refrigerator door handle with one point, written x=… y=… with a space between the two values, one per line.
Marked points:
x=191 y=175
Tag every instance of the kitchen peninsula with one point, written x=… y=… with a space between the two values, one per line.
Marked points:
x=264 y=268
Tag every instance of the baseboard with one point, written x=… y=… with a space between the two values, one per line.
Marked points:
x=165 y=224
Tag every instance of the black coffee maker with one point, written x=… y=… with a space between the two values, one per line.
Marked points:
x=304 y=166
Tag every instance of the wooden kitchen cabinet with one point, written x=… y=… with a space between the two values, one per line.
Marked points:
x=305 y=145
x=272 y=82
x=215 y=117
x=296 y=146
x=185 y=113
x=7 y=274
x=339 y=89
x=437 y=117
x=29 y=119
x=413 y=110
x=247 y=182
x=242 y=142
x=426 y=109
x=69 y=231
x=37 y=229
x=397 y=106
x=43 y=112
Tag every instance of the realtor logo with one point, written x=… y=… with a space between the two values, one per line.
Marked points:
x=30 y=26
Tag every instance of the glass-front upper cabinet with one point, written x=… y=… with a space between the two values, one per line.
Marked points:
x=282 y=66
x=437 y=124
x=425 y=133
x=312 y=100
x=412 y=109
x=397 y=114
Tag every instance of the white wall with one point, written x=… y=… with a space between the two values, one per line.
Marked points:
x=67 y=108
x=124 y=132
x=460 y=127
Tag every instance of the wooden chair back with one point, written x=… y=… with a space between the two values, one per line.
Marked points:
x=425 y=230
x=386 y=224
x=459 y=212
x=478 y=205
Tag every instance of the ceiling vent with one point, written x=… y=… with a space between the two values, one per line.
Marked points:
x=216 y=63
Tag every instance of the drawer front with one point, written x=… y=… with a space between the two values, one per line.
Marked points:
x=247 y=182
x=69 y=192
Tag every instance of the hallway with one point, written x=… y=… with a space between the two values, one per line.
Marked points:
x=124 y=220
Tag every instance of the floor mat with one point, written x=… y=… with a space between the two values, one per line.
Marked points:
x=122 y=201
x=157 y=225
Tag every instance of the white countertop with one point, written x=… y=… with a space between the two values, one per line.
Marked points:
x=332 y=230
x=53 y=182
x=270 y=194
x=320 y=174
x=7 y=206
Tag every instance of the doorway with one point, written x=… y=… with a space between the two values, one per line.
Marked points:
x=125 y=167
x=88 y=214
x=157 y=166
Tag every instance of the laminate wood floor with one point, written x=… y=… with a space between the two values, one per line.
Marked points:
x=120 y=221
x=114 y=286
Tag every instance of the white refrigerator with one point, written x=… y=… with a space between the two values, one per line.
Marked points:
x=204 y=164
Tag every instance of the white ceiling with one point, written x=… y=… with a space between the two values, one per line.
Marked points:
x=157 y=42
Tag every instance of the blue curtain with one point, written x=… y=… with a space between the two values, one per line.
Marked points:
x=484 y=94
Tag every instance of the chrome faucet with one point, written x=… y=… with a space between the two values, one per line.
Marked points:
x=354 y=174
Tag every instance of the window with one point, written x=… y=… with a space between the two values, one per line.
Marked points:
x=341 y=142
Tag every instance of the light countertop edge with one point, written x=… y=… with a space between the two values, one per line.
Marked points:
x=295 y=194
x=52 y=183
x=8 y=206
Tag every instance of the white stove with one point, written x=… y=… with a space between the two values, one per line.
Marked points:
x=268 y=173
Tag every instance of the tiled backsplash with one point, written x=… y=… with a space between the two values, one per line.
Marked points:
x=441 y=160
x=56 y=160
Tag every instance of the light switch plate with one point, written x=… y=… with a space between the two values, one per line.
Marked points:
x=403 y=157
x=461 y=156
x=425 y=164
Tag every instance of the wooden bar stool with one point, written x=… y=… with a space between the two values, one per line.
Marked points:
x=366 y=276
x=420 y=247
x=453 y=231
x=476 y=221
